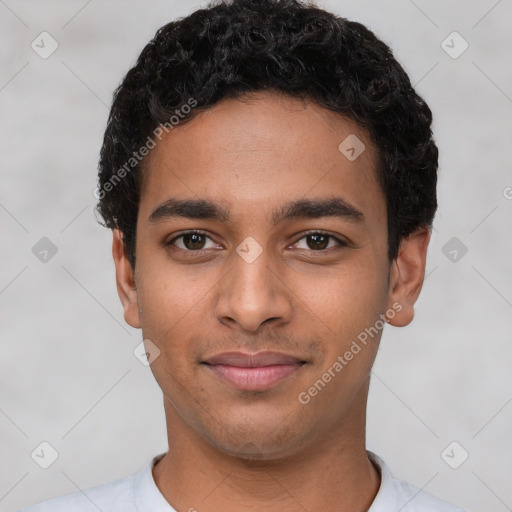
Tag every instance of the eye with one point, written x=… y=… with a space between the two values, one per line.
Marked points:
x=191 y=241
x=196 y=241
x=319 y=241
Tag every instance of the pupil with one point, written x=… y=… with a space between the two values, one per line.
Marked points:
x=316 y=238
x=196 y=241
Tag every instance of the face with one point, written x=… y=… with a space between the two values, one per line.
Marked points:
x=261 y=260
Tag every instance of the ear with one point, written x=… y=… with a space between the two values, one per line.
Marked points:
x=406 y=276
x=125 y=281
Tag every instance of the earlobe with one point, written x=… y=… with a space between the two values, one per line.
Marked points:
x=407 y=275
x=125 y=281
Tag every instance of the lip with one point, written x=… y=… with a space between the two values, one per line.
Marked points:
x=253 y=372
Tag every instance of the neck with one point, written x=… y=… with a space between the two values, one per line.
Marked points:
x=330 y=473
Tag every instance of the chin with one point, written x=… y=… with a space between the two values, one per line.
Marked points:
x=264 y=444
x=256 y=452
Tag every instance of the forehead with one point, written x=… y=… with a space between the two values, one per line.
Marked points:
x=260 y=152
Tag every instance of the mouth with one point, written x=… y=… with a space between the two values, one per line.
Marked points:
x=253 y=372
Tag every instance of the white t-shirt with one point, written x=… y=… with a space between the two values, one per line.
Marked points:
x=139 y=493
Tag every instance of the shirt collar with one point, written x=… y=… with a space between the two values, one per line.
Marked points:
x=386 y=498
x=148 y=496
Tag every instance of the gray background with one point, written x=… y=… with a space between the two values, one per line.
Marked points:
x=67 y=372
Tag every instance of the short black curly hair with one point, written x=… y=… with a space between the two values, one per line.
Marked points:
x=233 y=47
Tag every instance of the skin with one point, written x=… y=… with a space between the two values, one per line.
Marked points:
x=233 y=450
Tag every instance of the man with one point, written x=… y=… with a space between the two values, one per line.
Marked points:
x=269 y=175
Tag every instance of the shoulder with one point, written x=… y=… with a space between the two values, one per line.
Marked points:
x=397 y=495
x=111 y=497
x=414 y=499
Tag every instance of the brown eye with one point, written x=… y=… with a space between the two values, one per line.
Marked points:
x=318 y=241
x=193 y=241
x=190 y=241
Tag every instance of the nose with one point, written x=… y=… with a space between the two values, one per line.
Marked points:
x=252 y=293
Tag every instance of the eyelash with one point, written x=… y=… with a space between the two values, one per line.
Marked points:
x=341 y=243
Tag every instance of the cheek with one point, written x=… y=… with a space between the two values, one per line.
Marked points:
x=170 y=294
x=347 y=321
x=176 y=304
x=347 y=300
x=169 y=309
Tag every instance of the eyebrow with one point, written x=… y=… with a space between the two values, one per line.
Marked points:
x=302 y=208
